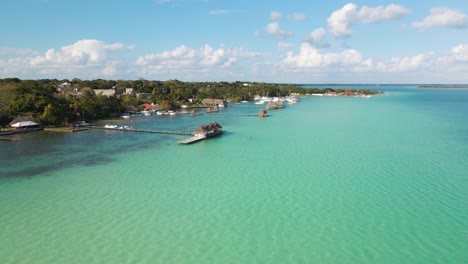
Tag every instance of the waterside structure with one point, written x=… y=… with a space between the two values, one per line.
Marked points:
x=204 y=132
x=275 y=105
x=22 y=124
x=262 y=113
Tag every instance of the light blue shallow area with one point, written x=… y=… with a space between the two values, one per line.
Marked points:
x=327 y=180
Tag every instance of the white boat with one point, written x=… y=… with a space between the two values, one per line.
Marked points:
x=125 y=116
x=244 y=101
x=260 y=102
x=110 y=126
x=146 y=113
x=171 y=112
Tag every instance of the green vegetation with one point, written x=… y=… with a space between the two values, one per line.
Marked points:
x=58 y=102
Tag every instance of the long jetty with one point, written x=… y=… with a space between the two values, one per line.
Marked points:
x=246 y=106
x=143 y=130
x=233 y=114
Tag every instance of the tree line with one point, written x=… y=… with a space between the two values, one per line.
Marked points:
x=78 y=101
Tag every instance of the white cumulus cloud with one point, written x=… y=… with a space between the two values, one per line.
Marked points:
x=370 y=15
x=184 y=57
x=460 y=53
x=82 y=52
x=317 y=38
x=310 y=57
x=340 y=21
x=405 y=64
x=274 y=30
x=443 y=17
x=206 y=63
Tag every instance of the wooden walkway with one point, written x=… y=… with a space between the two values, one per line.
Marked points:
x=246 y=106
x=191 y=140
x=233 y=114
x=143 y=130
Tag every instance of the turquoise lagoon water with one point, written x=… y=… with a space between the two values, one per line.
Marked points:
x=328 y=180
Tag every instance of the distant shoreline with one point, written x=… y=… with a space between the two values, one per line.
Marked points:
x=444 y=86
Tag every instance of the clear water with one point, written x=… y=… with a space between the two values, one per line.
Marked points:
x=327 y=180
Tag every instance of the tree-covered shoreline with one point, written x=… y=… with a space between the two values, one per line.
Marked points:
x=59 y=102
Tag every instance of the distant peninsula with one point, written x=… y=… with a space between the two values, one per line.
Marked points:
x=444 y=86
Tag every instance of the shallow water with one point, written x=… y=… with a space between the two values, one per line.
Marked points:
x=327 y=180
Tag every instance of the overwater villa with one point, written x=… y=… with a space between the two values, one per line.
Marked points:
x=275 y=104
x=209 y=130
x=263 y=113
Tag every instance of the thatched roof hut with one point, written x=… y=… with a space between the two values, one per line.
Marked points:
x=208 y=130
x=21 y=119
x=216 y=102
x=275 y=105
x=262 y=113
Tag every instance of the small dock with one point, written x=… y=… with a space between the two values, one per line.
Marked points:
x=8 y=139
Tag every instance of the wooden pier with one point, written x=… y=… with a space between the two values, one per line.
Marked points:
x=246 y=106
x=233 y=114
x=142 y=130
x=191 y=140
x=201 y=133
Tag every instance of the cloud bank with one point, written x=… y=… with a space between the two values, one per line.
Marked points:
x=443 y=17
x=340 y=21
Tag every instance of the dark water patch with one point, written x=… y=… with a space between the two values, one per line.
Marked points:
x=96 y=161
x=70 y=162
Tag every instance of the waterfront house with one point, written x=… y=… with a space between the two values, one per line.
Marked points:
x=106 y=92
x=24 y=122
x=21 y=119
x=214 y=102
x=147 y=106
x=130 y=91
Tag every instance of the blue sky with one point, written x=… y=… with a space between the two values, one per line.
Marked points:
x=219 y=40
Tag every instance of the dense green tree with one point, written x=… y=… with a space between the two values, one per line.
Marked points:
x=31 y=98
